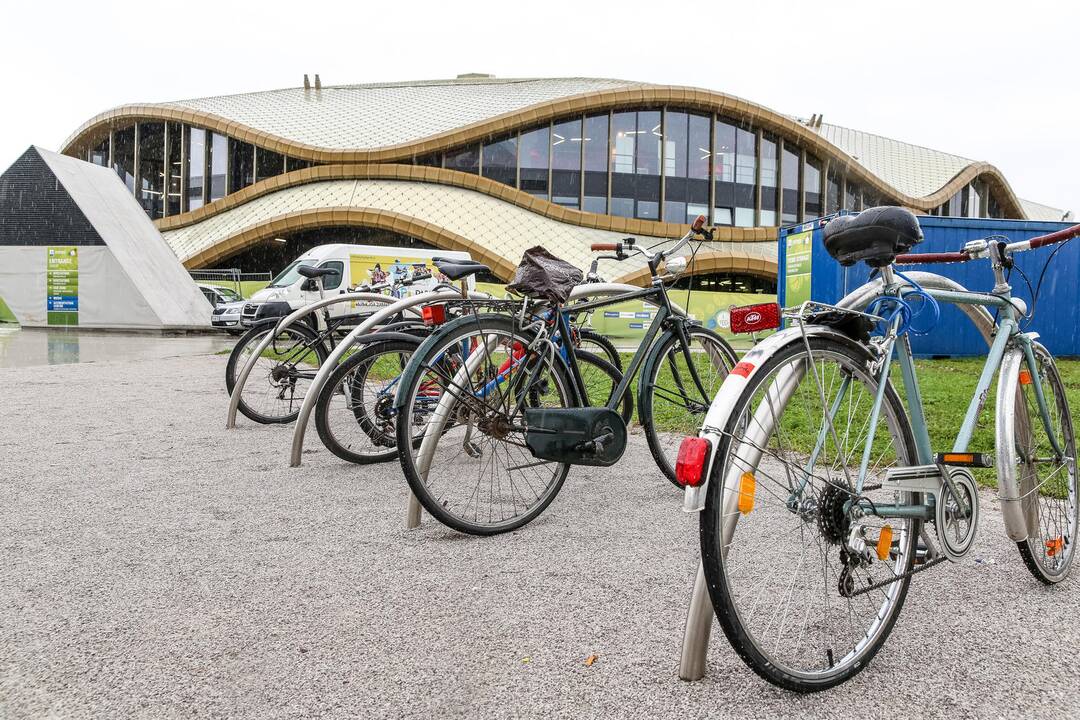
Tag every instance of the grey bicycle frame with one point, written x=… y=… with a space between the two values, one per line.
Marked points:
x=1008 y=358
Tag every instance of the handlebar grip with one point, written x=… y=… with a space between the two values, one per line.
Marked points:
x=1054 y=237
x=927 y=258
x=699 y=223
x=605 y=247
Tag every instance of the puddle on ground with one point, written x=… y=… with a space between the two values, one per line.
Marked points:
x=61 y=346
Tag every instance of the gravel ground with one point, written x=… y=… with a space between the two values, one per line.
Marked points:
x=156 y=565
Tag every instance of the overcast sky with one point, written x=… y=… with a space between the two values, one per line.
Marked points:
x=987 y=80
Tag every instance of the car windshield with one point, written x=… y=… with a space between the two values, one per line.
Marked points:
x=228 y=293
x=290 y=274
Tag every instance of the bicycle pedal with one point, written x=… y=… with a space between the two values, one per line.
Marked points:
x=472 y=449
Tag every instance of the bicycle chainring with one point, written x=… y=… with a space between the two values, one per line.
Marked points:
x=955 y=527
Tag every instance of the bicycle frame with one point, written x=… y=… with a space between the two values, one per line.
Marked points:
x=1007 y=333
x=656 y=295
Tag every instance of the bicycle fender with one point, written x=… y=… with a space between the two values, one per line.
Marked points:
x=716 y=419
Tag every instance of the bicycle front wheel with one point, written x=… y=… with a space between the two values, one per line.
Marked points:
x=788 y=544
x=464 y=395
x=355 y=414
x=1048 y=482
x=282 y=373
x=679 y=384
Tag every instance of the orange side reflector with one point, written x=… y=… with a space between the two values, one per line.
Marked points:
x=1053 y=547
x=747 y=486
x=958 y=458
x=1025 y=377
x=884 y=543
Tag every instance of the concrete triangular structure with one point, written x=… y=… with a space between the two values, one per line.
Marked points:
x=128 y=276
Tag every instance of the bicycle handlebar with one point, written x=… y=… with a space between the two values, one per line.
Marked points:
x=920 y=258
x=1048 y=239
x=605 y=247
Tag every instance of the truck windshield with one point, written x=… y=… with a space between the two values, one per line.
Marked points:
x=289 y=275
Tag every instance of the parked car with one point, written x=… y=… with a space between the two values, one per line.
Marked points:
x=353 y=265
x=227 y=305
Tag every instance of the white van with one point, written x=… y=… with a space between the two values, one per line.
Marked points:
x=356 y=265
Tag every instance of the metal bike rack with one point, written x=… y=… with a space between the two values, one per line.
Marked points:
x=699 y=615
x=331 y=362
x=241 y=380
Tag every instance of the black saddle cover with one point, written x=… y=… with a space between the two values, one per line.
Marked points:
x=570 y=435
x=542 y=276
x=876 y=235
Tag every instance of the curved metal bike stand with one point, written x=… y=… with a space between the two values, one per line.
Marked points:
x=342 y=347
x=238 y=389
x=700 y=613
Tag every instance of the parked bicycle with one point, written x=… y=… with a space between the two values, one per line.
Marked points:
x=354 y=413
x=289 y=363
x=824 y=496
x=515 y=412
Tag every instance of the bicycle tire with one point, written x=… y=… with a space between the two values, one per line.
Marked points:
x=664 y=356
x=1048 y=552
x=354 y=371
x=591 y=340
x=451 y=466
x=251 y=338
x=721 y=503
x=625 y=407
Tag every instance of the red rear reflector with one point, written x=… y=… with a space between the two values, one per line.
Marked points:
x=755 y=318
x=690 y=464
x=1025 y=377
x=433 y=314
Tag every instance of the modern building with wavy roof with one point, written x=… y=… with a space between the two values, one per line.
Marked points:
x=493 y=166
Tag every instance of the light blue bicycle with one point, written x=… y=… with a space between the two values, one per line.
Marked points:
x=824 y=495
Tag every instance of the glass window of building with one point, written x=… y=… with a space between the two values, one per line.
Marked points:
x=723 y=162
x=812 y=187
x=99 y=154
x=152 y=168
x=789 y=169
x=241 y=165
x=852 y=196
x=196 y=169
x=832 y=194
x=174 y=168
x=623 y=144
x=500 y=161
x=993 y=209
x=218 y=164
x=292 y=164
x=533 y=150
x=768 y=181
x=426 y=160
x=686 y=167
x=566 y=163
x=647 y=165
x=268 y=164
x=745 y=180
x=466 y=159
x=124 y=156
x=595 y=158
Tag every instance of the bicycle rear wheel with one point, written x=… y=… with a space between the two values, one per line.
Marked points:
x=472 y=470
x=355 y=414
x=279 y=380
x=673 y=404
x=597 y=344
x=1048 y=480
x=801 y=602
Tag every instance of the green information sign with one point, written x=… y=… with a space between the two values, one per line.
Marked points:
x=798 y=251
x=62 y=285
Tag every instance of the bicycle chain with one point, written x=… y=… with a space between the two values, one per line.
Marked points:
x=902 y=576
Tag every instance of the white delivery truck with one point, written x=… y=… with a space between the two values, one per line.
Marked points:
x=407 y=270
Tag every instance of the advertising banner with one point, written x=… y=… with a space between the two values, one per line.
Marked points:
x=797 y=268
x=373 y=269
x=62 y=285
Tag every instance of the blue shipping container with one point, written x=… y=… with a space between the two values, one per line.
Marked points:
x=807 y=271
